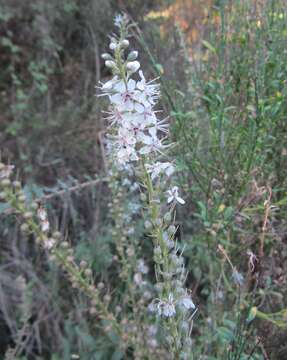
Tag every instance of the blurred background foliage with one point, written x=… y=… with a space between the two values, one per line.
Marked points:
x=223 y=69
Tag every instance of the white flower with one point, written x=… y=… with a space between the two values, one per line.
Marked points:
x=119 y=19
x=173 y=196
x=186 y=303
x=45 y=225
x=42 y=213
x=168 y=310
x=108 y=86
x=151 y=144
x=152 y=307
x=126 y=154
x=149 y=91
x=124 y=96
x=156 y=169
x=166 y=307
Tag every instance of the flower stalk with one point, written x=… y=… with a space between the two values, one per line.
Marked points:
x=137 y=140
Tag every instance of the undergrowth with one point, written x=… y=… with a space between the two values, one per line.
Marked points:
x=89 y=265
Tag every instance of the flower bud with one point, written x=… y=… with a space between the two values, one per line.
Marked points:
x=107 y=56
x=64 y=245
x=83 y=264
x=28 y=215
x=24 y=228
x=2 y=195
x=171 y=230
x=17 y=184
x=133 y=66
x=125 y=43
x=88 y=272
x=101 y=285
x=132 y=55
x=107 y=298
x=113 y=46
x=57 y=235
x=22 y=198
x=5 y=182
x=110 y=64
x=93 y=311
x=34 y=206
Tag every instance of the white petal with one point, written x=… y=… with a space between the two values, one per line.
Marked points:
x=170 y=199
x=180 y=200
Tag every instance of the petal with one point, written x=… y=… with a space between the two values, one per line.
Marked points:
x=180 y=200
x=170 y=199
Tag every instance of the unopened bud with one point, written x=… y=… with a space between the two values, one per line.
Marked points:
x=132 y=56
x=110 y=64
x=64 y=245
x=93 y=311
x=5 y=182
x=101 y=285
x=88 y=272
x=171 y=229
x=17 y=184
x=24 y=228
x=28 y=215
x=2 y=195
x=107 y=298
x=125 y=43
x=22 y=198
x=133 y=66
x=107 y=56
x=57 y=235
x=113 y=46
x=83 y=264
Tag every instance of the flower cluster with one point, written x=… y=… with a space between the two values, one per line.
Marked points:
x=136 y=128
x=138 y=139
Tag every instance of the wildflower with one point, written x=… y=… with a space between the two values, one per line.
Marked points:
x=186 y=302
x=42 y=214
x=156 y=169
x=173 y=196
x=166 y=307
x=45 y=225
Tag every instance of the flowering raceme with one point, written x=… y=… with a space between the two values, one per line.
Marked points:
x=138 y=139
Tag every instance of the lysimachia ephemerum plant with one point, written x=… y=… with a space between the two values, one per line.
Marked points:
x=138 y=139
x=34 y=221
